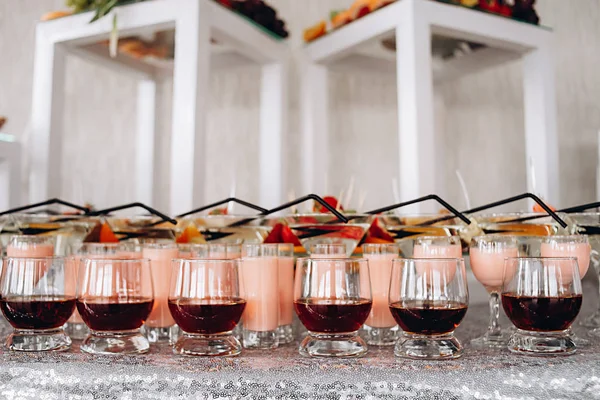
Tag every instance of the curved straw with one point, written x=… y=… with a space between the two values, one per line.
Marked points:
x=421 y=199
x=302 y=199
x=568 y=210
x=46 y=203
x=511 y=200
x=219 y=203
x=132 y=205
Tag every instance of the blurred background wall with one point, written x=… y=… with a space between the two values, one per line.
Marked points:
x=483 y=118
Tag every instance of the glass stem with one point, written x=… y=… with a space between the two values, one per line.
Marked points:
x=494 y=327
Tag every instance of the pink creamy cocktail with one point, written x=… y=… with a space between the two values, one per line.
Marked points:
x=159 y=325
x=285 y=261
x=576 y=246
x=380 y=326
x=487 y=255
x=260 y=283
x=30 y=246
x=438 y=247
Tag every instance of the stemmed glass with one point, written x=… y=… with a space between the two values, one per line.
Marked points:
x=114 y=299
x=487 y=254
x=206 y=304
x=428 y=299
x=541 y=297
x=38 y=297
x=31 y=246
x=332 y=298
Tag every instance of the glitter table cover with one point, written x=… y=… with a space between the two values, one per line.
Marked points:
x=283 y=374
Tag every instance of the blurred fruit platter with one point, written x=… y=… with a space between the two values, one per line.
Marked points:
x=162 y=44
x=522 y=10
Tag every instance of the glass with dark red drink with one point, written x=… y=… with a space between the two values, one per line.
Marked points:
x=114 y=299
x=38 y=297
x=205 y=302
x=428 y=300
x=332 y=298
x=542 y=297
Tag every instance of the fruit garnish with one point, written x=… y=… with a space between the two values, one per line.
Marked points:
x=315 y=32
x=218 y=211
x=282 y=234
x=341 y=18
x=378 y=234
x=332 y=201
x=101 y=233
x=469 y=3
x=539 y=209
x=190 y=235
x=55 y=15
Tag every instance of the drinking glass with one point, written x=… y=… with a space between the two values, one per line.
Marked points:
x=285 y=263
x=437 y=247
x=206 y=303
x=38 y=297
x=328 y=250
x=260 y=280
x=380 y=327
x=114 y=299
x=487 y=254
x=541 y=297
x=30 y=246
x=428 y=299
x=160 y=325
x=332 y=298
x=577 y=246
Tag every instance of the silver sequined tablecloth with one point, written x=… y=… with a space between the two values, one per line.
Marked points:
x=283 y=374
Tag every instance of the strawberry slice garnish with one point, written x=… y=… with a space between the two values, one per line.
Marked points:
x=288 y=236
x=378 y=232
x=275 y=235
x=332 y=201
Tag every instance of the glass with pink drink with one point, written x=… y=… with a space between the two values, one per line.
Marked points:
x=380 y=328
x=31 y=246
x=437 y=247
x=160 y=325
x=487 y=254
x=260 y=283
x=285 y=262
x=212 y=251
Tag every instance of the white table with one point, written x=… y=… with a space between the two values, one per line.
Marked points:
x=10 y=172
x=421 y=141
x=196 y=22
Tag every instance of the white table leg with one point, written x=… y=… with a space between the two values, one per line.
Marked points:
x=541 y=140
x=45 y=143
x=273 y=113
x=145 y=149
x=190 y=93
x=415 y=108
x=314 y=107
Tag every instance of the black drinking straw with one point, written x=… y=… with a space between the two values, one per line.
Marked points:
x=568 y=210
x=46 y=203
x=421 y=199
x=511 y=200
x=132 y=205
x=219 y=203
x=302 y=199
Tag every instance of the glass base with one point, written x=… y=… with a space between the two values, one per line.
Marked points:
x=224 y=344
x=380 y=336
x=77 y=331
x=332 y=345
x=422 y=347
x=155 y=335
x=578 y=340
x=115 y=343
x=286 y=334
x=31 y=340
x=488 y=341
x=541 y=343
x=260 y=340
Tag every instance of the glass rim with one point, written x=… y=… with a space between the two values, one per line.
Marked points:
x=37 y=258
x=380 y=245
x=574 y=236
x=159 y=245
x=542 y=258
x=434 y=259
x=496 y=236
x=433 y=237
x=345 y=259
x=206 y=260
x=114 y=259
x=39 y=237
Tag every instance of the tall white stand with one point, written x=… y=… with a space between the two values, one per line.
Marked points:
x=197 y=24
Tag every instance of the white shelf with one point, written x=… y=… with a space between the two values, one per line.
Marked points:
x=416 y=26
x=206 y=36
